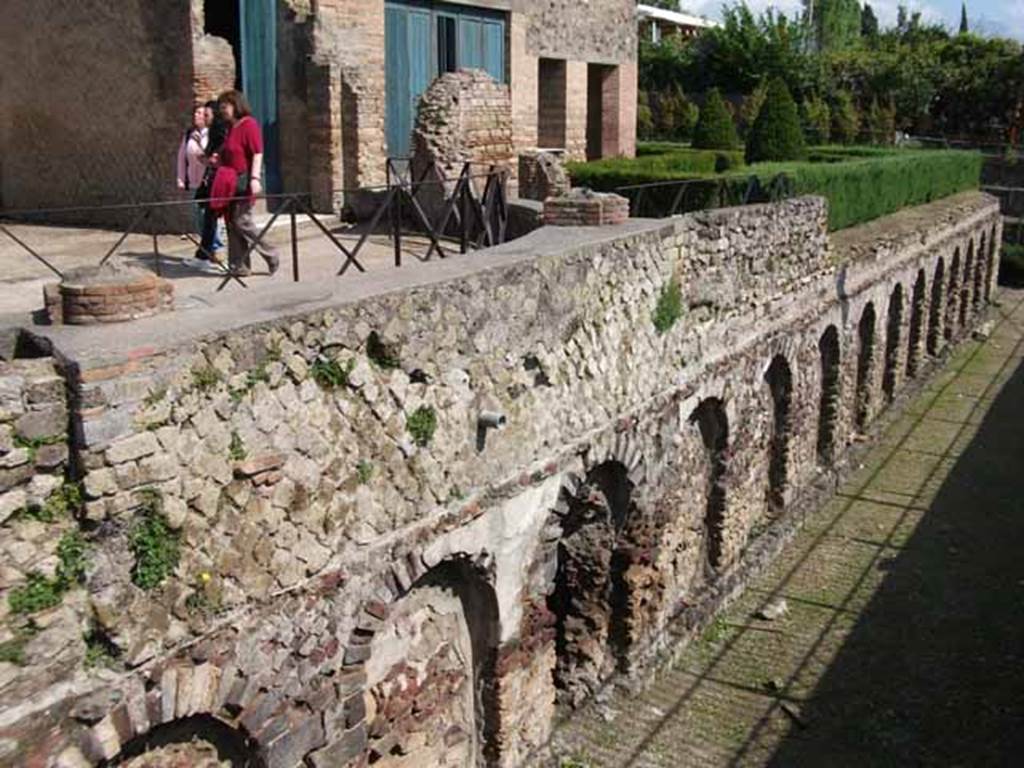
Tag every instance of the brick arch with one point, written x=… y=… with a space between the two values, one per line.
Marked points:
x=953 y=296
x=993 y=263
x=830 y=393
x=865 y=370
x=980 y=275
x=918 y=306
x=893 y=332
x=936 y=308
x=275 y=731
x=966 y=285
x=470 y=576
x=711 y=419
x=778 y=378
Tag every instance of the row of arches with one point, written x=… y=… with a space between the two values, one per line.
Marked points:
x=592 y=590
x=608 y=580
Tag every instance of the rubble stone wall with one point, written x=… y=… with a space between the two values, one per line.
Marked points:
x=334 y=493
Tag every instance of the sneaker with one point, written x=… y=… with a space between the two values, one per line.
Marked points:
x=202 y=255
x=273 y=263
x=240 y=271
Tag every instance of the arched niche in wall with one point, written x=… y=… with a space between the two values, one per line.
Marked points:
x=711 y=419
x=918 y=303
x=829 y=397
x=779 y=380
x=935 y=309
x=893 y=325
x=199 y=741
x=591 y=598
x=865 y=366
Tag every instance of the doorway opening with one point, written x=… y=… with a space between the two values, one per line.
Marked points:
x=221 y=18
x=602 y=111
x=551 y=97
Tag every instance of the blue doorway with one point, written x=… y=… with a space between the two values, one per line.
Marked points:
x=258 y=57
x=425 y=39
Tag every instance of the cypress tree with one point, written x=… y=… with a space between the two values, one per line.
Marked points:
x=776 y=134
x=715 y=128
x=964 y=29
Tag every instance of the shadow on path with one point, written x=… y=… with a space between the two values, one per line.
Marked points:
x=933 y=671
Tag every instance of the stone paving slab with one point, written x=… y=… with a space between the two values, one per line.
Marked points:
x=904 y=640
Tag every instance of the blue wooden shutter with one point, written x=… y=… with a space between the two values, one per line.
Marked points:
x=258 y=26
x=493 y=33
x=409 y=68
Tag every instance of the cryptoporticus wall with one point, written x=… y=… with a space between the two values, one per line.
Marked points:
x=371 y=570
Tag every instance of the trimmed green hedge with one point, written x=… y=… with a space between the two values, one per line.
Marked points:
x=653 y=162
x=860 y=186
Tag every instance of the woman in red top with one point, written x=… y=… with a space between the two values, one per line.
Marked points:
x=240 y=174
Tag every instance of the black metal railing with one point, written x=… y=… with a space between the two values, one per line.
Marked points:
x=660 y=199
x=458 y=213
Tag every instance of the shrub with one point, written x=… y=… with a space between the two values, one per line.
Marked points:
x=715 y=128
x=863 y=189
x=644 y=117
x=422 y=423
x=817 y=118
x=845 y=119
x=750 y=107
x=328 y=373
x=38 y=593
x=156 y=547
x=861 y=183
x=72 y=559
x=879 y=124
x=676 y=116
x=776 y=134
x=669 y=307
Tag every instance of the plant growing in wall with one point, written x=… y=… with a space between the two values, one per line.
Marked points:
x=205 y=378
x=157 y=548
x=236 y=449
x=329 y=374
x=669 y=308
x=382 y=354
x=421 y=425
x=40 y=592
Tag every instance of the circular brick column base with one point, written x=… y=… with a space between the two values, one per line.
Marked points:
x=107 y=294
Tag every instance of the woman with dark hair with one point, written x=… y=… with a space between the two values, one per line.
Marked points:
x=192 y=171
x=240 y=175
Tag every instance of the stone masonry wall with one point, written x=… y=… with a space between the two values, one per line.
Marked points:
x=332 y=480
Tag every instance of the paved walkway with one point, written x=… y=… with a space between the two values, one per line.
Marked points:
x=23 y=277
x=904 y=641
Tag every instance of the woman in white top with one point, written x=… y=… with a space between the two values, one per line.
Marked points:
x=190 y=171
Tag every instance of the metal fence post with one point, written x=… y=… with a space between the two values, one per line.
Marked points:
x=295 y=242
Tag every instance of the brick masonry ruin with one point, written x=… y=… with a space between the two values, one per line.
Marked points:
x=409 y=525
x=331 y=92
x=106 y=294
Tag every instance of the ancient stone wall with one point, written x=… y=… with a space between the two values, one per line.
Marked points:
x=599 y=31
x=364 y=556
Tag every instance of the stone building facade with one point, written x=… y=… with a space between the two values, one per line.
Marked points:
x=400 y=529
x=328 y=78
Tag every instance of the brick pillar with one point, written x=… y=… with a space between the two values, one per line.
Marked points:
x=576 y=110
x=523 y=70
x=326 y=175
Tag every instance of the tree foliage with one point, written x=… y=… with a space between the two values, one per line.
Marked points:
x=776 y=134
x=935 y=83
x=715 y=129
